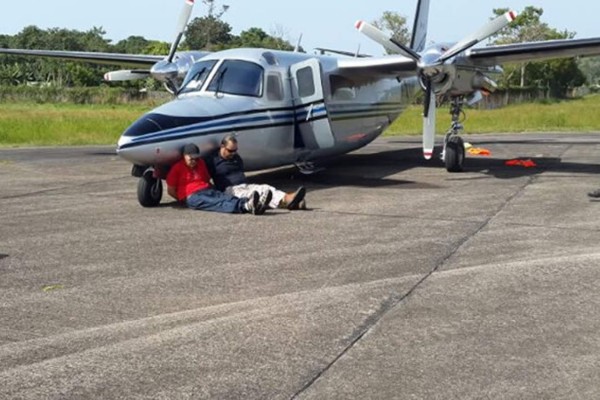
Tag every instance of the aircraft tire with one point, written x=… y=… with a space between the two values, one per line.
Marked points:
x=149 y=190
x=455 y=154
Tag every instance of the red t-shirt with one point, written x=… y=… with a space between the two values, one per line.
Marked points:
x=187 y=180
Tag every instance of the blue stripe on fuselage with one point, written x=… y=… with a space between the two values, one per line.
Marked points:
x=255 y=119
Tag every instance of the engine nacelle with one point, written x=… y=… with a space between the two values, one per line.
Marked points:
x=173 y=73
x=467 y=81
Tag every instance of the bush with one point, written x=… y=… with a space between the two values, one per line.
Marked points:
x=79 y=95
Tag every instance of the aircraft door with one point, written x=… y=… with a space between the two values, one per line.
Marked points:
x=313 y=130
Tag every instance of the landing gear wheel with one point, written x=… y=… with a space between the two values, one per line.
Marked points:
x=149 y=190
x=455 y=154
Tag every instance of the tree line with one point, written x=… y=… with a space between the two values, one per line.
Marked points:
x=204 y=33
x=211 y=33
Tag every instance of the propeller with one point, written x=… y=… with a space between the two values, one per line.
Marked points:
x=432 y=71
x=387 y=42
x=126 y=75
x=184 y=18
x=165 y=70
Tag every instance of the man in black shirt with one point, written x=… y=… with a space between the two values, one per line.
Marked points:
x=226 y=168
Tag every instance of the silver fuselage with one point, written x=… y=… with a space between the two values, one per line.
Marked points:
x=285 y=121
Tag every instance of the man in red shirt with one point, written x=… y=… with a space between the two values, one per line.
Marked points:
x=188 y=181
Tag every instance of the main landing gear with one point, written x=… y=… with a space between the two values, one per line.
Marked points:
x=149 y=188
x=453 y=153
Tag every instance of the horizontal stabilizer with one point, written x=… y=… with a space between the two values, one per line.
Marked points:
x=323 y=50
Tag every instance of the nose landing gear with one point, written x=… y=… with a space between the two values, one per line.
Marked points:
x=149 y=189
x=453 y=153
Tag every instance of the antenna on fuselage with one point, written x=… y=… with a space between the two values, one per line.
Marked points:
x=357 y=51
x=297 y=48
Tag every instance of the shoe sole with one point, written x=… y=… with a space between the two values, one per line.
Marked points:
x=298 y=197
x=255 y=201
x=262 y=207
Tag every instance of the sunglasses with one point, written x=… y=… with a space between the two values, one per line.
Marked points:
x=231 y=150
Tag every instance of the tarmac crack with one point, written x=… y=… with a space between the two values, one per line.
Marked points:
x=396 y=298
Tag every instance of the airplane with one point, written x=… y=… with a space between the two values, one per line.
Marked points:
x=291 y=108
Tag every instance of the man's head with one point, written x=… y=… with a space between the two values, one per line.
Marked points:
x=229 y=147
x=190 y=154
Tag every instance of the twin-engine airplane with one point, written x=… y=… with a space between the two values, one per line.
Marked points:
x=293 y=108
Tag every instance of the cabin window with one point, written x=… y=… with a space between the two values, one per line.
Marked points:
x=238 y=77
x=194 y=80
x=306 y=82
x=342 y=88
x=274 y=87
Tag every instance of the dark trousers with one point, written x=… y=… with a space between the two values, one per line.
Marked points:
x=213 y=200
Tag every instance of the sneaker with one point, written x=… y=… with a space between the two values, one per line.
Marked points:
x=263 y=202
x=301 y=205
x=595 y=194
x=298 y=197
x=252 y=204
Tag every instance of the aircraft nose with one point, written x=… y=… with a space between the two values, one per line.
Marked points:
x=148 y=123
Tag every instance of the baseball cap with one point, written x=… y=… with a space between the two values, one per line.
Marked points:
x=191 y=150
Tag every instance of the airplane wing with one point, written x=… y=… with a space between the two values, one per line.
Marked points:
x=323 y=50
x=533 y=51
x=393 y=66
x=130 y=60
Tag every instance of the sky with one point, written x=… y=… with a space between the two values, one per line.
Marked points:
x=324 y=23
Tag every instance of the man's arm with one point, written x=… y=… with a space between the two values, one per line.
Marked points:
x=171 y=181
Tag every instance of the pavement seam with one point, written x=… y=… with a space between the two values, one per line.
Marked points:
x=395 y=298
x=56 y=189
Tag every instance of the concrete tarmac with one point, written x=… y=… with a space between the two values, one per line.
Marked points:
x=401 y=281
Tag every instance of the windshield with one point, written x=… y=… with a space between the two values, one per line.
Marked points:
x=238 y=77
x=196 y=76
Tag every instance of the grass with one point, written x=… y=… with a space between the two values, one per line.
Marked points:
x=578 y=115
x=23 y=124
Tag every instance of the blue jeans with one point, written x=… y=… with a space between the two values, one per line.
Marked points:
x=213 y=200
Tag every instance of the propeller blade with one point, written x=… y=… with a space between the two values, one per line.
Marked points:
x=429 y=123
x=427 y=100
x=184 y=18
x=484 y=32
x=387 y=42
x=126 y=75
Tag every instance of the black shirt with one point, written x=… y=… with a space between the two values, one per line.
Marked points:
x=225 y=172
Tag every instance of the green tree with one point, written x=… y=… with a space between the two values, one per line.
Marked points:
x=394 y=25
x=132 y=45
x=207 y=33
x=257 y=38
x=590 y=66
x=157 y=47
x=555 y=75
x=210 y=32
x=54 y=71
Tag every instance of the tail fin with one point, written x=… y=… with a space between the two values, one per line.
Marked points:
x=419 y=36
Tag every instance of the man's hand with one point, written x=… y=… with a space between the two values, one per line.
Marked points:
x=172 y=190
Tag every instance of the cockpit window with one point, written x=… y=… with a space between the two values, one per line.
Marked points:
x=238 y=77
x=196 y=76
